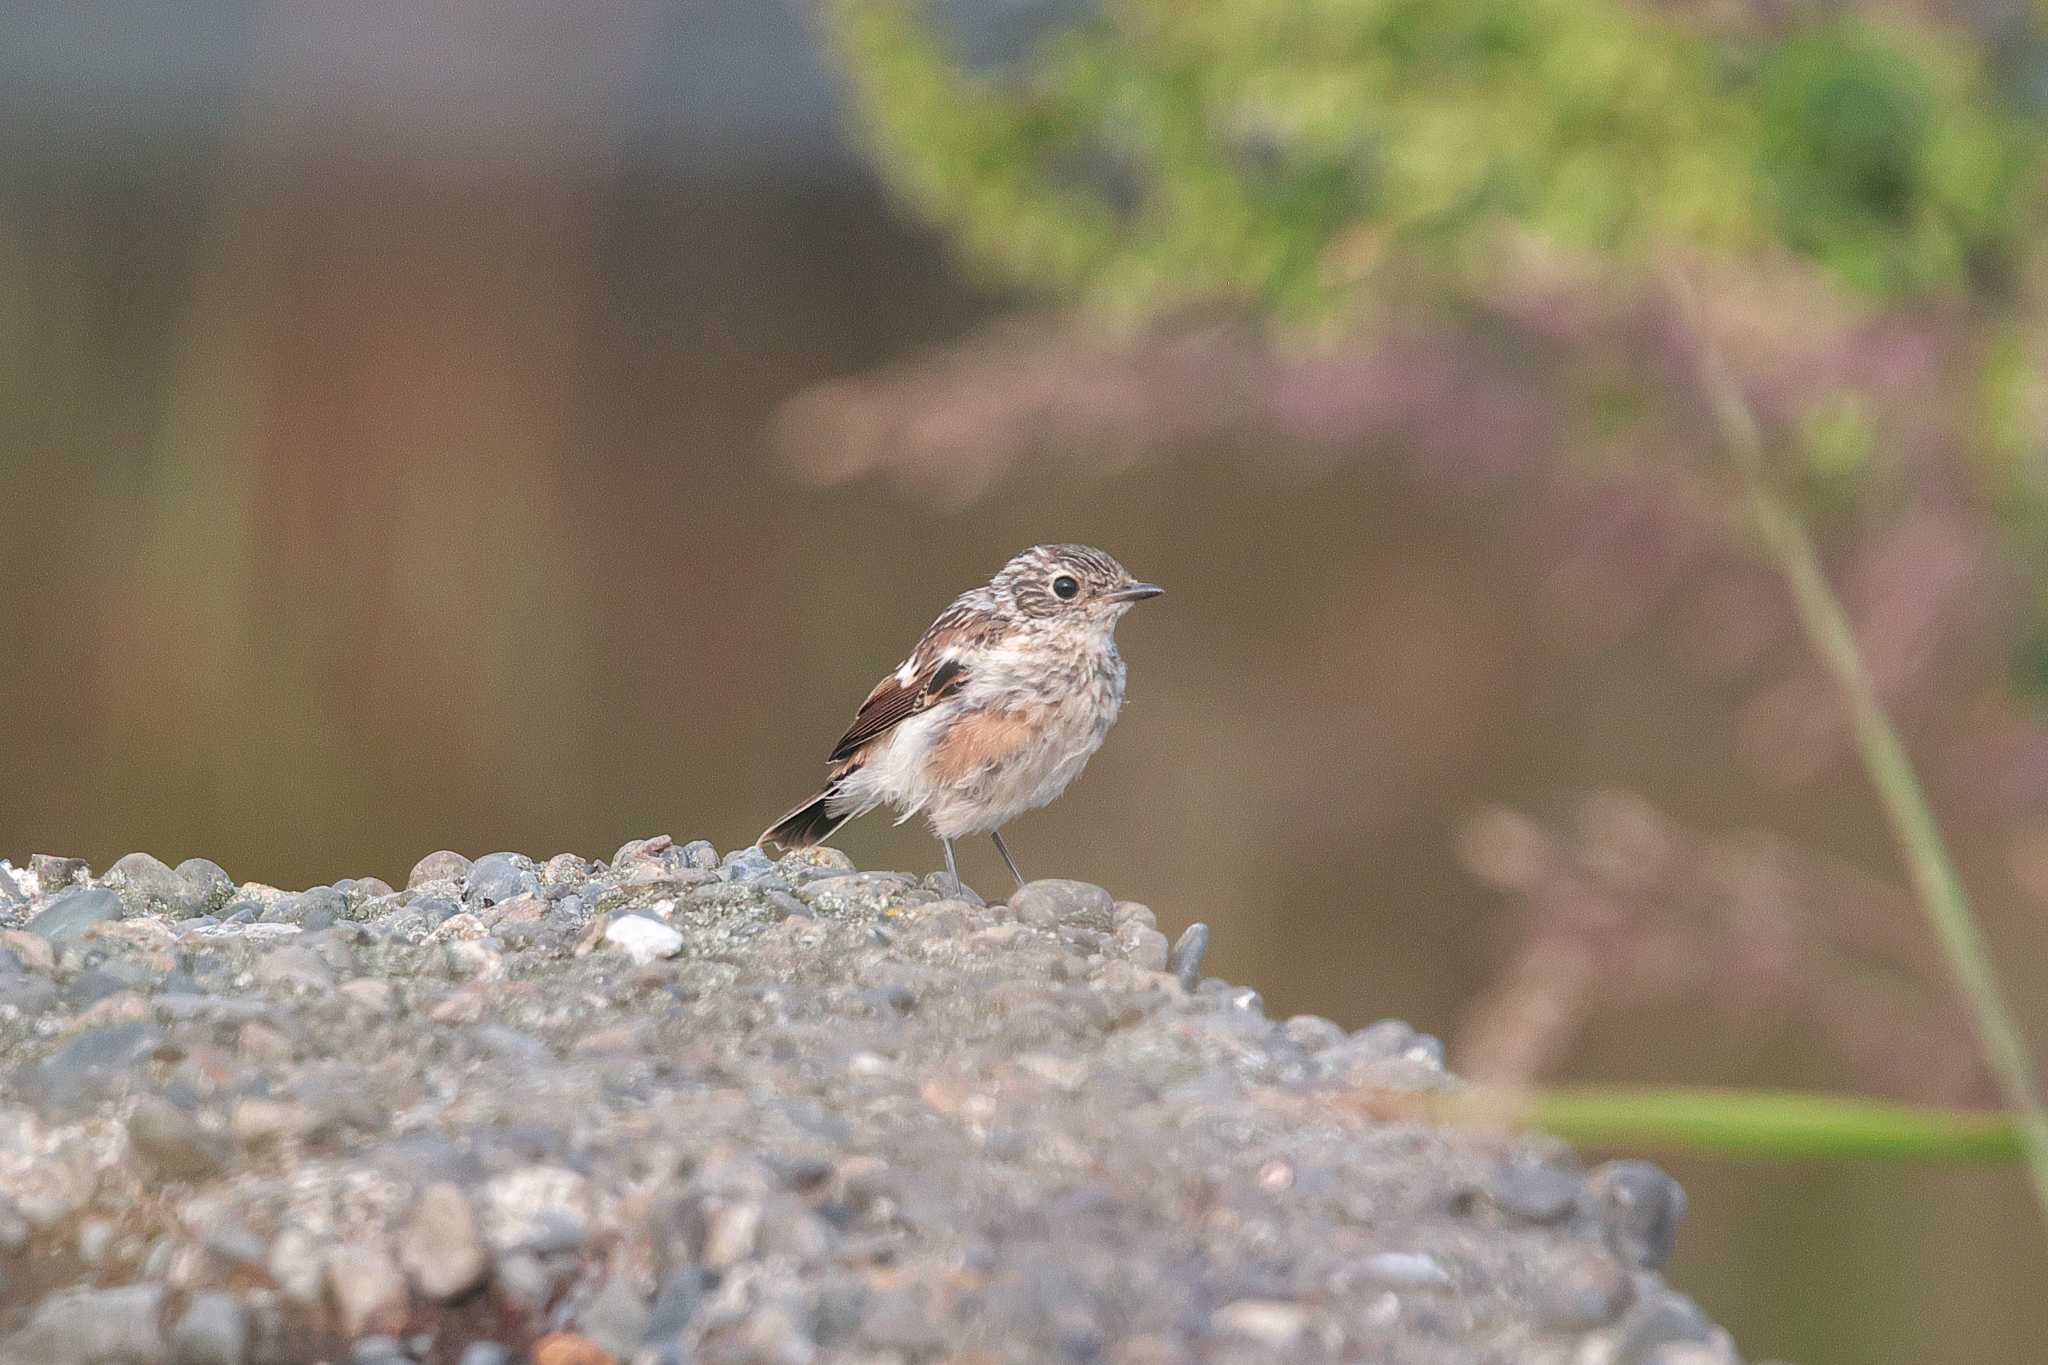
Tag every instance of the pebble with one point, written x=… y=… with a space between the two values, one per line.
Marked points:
x=30 y=951
x=293 y=968
x=1405 y=1270
x=536 y=1208
x=1662 y=1320
x=53 y=873
x=14 y=1229
x=1583 y=1290
x=367 y=1288
x=74 y=911
x=91 y=1327
x=1534 y=1189
x=213 y=1330
x=643 y=940
x=174 y=1142
x=616 y=1318
x=257 y=1122
x=1273 y=1324
x=675 y=1304
x=10 y=890
x=440 y=1249
x=207 y=885
x=1640 y=1210
x=569 y=1348
x=150 y=886
x=444 y=866
x=1145 y=947
x=296 y=1266
x=1186 y=959
x=499 y=877
x=371 y=995
x=1057 y=903
x=1132 y=914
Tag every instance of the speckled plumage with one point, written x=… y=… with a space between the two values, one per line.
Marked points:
x=998 y=708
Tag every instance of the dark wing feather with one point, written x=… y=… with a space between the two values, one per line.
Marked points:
x=935 y=674
x=893 y=702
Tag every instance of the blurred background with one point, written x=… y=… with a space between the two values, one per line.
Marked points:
x=530 y=426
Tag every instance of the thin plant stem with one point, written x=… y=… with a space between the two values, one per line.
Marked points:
x=1827 y=628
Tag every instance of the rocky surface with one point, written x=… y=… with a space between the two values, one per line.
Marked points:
x=685 y=1108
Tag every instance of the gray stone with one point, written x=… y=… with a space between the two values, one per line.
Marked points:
x=14 y=1229
x=444 y=866
x=675 y=1304
x=93 y=1065
x=1058 y=903
x=367 y=1288
x=437 y=910
x=539 y=1208
x=615 y=1318
x=1405 y=1270
x=1312 y=1033
x=499 y=877
x=749 y=870
x=53 y=874
x=1145 y=947
x=562 y=871
x=1274 y=1324
x=91 y=1327
x=699 y=853
x=213 y=1330
x=901 y=1319
x=150 y=886
x=74 y=911
x=1663 y=1319
x=1585 y=1289
x=440 y=1249
x=27 y=995
x=1640 y=1210
x=484 y=1353
x=294 y=968
x=95 y=1239
x=173 y=1142
x=315 y=908
x=10 y=890
x=1532 y=1188
x=1186 y=960
x=232 y=1241
x=207 y=884
x=524 y=1281
x=509 y=1044
x=378 y=1349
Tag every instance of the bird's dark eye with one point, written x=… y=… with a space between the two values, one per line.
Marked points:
x=1064 y=587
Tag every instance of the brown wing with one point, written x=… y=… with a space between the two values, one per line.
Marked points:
x=893 y=702
x=936 y=673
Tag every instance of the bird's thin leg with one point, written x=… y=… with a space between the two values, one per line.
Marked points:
x=951 y=870
x=1004 y=849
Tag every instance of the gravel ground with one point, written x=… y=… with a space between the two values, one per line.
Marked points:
x=692 y=1108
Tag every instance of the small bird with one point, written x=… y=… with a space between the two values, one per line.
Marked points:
x=998 y=708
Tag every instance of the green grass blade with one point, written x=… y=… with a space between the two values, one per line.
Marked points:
x=1770 y=1125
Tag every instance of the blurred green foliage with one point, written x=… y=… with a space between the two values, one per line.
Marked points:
x=1275 y=151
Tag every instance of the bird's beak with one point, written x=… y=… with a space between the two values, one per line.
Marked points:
x=1136 y=592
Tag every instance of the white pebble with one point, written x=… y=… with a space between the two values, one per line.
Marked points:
x=643 y=939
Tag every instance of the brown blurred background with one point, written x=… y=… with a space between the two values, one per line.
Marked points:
x=426 y=425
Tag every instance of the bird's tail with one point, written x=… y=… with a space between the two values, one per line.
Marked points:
x=809 y=824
